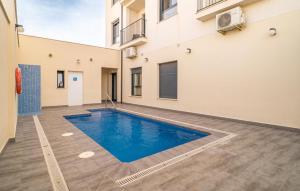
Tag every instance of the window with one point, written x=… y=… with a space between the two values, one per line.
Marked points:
x=168 y=8
x=60 y=79
x=114 y=1
x=116 y=32
x=136 y=81
x=168 y=80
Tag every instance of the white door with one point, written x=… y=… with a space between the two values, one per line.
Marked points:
x=75 y=87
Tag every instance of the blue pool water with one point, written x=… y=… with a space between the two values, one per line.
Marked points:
x=130 y=137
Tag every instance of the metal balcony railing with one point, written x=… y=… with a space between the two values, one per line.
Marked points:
x=203 y=4
x=133 y=31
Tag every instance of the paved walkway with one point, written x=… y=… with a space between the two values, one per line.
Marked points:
x=259 y=158
x=22 y=165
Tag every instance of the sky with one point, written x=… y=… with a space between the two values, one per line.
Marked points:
x=81 y=21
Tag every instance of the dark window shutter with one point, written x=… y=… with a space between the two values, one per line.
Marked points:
x=168 y=80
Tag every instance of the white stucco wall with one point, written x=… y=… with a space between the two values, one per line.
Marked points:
x=246 y=75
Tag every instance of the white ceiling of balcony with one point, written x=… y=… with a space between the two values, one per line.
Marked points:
x=135 y=5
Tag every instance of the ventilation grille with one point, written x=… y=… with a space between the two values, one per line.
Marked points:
x=224 y=20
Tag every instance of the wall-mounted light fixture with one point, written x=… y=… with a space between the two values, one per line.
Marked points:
x=78 y=61
x=273 y=31
x=188 y=51
x=19 y=28
x=146 y=59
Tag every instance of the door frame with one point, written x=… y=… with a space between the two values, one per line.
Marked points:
x=114 y=90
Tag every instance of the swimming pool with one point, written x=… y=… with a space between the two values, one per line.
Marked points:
x=130 y=137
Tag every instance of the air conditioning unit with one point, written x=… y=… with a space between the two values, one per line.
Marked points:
x=229 y=20
x=131 y=52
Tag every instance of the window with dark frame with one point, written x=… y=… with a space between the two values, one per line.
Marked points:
x=136 y=81
x=168 y=8
x=60 y=79
x=168 y=80
x=114 y=1
x=116 y=32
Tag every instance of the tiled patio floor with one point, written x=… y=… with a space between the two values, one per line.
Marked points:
x=259 y=158
x=22 y=165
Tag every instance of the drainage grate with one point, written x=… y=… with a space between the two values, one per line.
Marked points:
x=132 y=178
x=56 y=176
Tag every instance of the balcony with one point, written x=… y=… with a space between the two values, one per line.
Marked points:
x=203 y=4
x=134 y=34
x=208 y=9
x=135 y=5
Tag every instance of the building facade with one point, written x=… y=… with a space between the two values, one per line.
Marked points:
x=54 y=73
x=8 y=63
x=59 y=61
x=174 y=58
